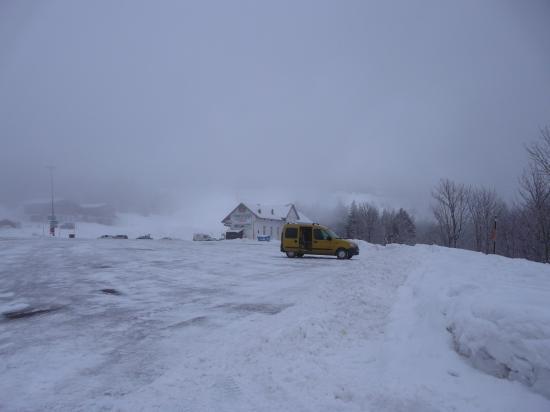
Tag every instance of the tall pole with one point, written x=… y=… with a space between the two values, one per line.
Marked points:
x=51 y=168
x=495 y=237
x=52 y=219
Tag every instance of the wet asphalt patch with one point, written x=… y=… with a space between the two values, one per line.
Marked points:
x=264 y=308
x=101 y=267
x=29 y=312
x=110 y=291
x=196 y=321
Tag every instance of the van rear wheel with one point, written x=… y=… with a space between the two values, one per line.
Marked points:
x=291 y=254
x=341 y=253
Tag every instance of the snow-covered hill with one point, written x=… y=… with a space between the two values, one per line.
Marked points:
x=235 y=326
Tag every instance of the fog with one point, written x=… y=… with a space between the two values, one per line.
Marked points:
x=163 y=106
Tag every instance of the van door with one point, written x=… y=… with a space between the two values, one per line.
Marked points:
x=322 y=243
x=306 y=243
x=290 y=238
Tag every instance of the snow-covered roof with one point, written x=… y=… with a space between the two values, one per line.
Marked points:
x=273 y=212
x=267 y=211
x=303 y=218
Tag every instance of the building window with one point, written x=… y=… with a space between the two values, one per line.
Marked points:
x=259 y=211
x=271 y=231
x=264 y=230
x=272 y=212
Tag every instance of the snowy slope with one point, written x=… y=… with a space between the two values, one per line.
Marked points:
x=235 y=326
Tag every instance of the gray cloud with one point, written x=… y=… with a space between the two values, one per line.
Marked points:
x=144 y=103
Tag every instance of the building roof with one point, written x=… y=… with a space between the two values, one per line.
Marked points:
x=266 y=211
x=273 y=212
x=303 y=218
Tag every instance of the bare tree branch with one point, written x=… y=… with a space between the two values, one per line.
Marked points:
x=539 y=153
x=450 y=210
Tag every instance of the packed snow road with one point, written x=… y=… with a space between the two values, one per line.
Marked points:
x=229 y=326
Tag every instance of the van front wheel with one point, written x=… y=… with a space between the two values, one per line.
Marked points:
x=291 y=254
x=341 y=253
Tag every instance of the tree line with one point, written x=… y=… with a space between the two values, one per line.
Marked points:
x=477 y=218
x=467 y=217
x=367 y=222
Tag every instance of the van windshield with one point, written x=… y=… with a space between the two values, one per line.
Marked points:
x=324 y=234
x=332 y=234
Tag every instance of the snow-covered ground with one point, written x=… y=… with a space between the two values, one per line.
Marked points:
x=235 y=326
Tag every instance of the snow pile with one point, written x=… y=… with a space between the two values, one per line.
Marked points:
x=494 y=312
x=503 y=327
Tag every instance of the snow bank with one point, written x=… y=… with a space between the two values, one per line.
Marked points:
x=492 y=311
x=502 y=325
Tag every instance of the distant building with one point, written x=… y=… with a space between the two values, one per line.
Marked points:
x=262 y=220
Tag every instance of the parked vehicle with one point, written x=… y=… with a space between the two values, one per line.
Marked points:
x=147 y=237
x=203 y=237
x=234 y=234
x=299 y=239
x=114 y=237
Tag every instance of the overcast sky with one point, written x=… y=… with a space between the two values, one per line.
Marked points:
x=144 y=103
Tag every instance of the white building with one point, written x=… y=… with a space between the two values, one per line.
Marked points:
x=262 y=220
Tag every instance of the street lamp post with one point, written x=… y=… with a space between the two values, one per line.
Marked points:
x=494 y=236
x=52 y=220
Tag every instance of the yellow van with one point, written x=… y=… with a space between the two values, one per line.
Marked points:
x=299 y=239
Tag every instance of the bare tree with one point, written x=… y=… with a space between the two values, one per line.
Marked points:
x=508 y=230
x=535 y=193
x=540 y=153
x=450 y=210
x=427 y=232
x=484 y=207
x=386 y=224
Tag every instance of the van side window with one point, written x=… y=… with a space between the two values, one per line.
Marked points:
x=318 y=235
x=291 y=232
